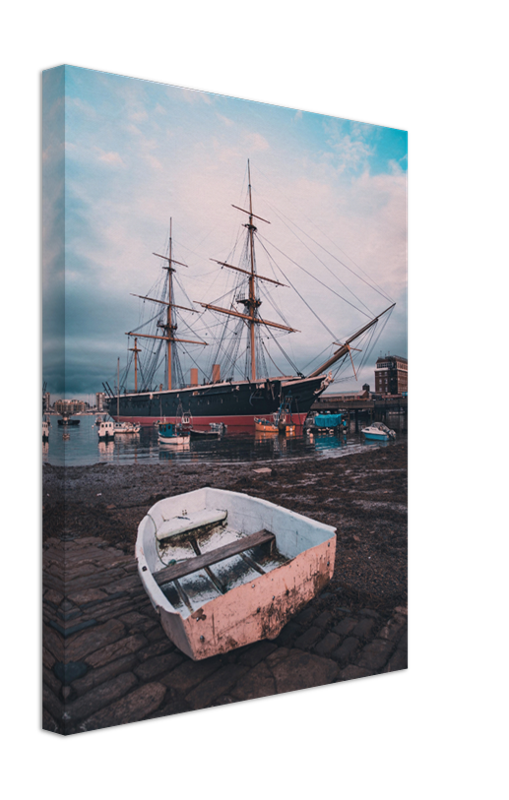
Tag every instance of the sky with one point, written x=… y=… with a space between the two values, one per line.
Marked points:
x=123 y=156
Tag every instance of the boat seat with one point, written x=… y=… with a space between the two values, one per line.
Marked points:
x=191 y=565
x=198 y=519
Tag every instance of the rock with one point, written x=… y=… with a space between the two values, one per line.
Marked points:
x=215 y=685
x=101 y=696
x=91 y=641
x=131 y=644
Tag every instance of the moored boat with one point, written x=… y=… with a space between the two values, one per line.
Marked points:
x=211 y=434
x=321 y=423
x=106 y=430
x=220 y=427
x=282 y=422
x=168 y=433
x=126 y=427
x=377 y=431
x=45 y=430
x=265 y=426
x=223 y=569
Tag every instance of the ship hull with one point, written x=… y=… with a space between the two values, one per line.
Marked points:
x=236 y=403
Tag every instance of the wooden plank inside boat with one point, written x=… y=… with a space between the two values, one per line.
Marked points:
x=191 y=565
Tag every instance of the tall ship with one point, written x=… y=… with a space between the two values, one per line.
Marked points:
x=237 y=387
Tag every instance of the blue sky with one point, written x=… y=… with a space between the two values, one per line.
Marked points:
x=138 y=153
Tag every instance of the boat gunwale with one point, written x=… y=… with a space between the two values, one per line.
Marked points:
x=154 y=591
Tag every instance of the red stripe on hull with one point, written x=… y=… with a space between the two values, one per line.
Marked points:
x=240 y=423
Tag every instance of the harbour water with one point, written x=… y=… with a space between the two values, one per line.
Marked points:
x=81 y=445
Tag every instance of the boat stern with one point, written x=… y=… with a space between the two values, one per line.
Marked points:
x=254 y=608
x=254 y=611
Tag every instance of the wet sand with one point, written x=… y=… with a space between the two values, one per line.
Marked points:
x=363 y=495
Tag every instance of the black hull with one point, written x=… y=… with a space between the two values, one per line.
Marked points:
x=236 y=404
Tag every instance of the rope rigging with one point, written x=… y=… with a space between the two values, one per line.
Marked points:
x=301 y=297
x=370 y=282
x=244 y=343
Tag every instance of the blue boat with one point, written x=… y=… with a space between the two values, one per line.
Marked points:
x=169 y=433
x=378 y=432
x=323 y=422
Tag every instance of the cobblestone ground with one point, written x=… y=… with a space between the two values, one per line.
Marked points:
x=120 y=667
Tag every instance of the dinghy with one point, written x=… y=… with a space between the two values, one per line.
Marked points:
x=223 y=569
x=213 y=433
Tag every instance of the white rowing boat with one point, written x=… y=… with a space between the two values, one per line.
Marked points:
x=223 y=569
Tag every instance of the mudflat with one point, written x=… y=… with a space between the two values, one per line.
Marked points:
x=363 y=495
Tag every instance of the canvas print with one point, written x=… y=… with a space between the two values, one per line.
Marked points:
x=224 y=409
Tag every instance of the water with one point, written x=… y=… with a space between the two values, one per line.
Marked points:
x=83 y=446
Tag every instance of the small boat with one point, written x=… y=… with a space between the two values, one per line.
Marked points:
x=213 y=434
x=68 y=421
x=126 y=427
x=223 y=569
x=265 y=426
x=106 y=430
x=282 y=422
x=218 y=426
x=169 y=433
x=324 y=423
x=379 y=432
x=45 y=430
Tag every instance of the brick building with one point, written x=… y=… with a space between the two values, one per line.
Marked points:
x=391 y=375
x=68 y=407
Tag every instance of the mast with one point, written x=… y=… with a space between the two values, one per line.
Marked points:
x=345 y=348
x=169 y=312
x=170 y=326
x=118 y=387
x=135 y=350
x=252 y=298
x=251 y=303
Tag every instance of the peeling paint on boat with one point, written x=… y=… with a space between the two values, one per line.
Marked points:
x=251 y=606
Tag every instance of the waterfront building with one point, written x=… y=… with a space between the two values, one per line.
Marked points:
x=68 y=407
x=99 y=400
x=391 y=375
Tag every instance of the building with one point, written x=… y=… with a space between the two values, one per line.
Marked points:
x=99 y=401
x=68 y=407
x=391 y=375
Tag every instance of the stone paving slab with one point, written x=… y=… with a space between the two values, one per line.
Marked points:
x=122 y=667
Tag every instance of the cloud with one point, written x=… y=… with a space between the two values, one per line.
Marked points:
x=186 y=158
x=256 y=142
x=349 y=151
x=109 y=158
